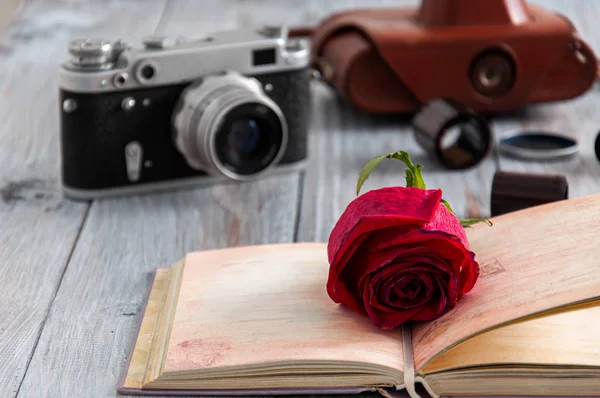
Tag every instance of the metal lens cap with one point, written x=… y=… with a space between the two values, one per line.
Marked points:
x=538 y=145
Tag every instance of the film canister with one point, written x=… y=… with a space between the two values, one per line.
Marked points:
x=457 y=136
x=516 y=191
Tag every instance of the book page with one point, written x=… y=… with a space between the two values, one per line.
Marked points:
x=259 y=304
x=531 y=261
x=563 y=339
x=143 y=344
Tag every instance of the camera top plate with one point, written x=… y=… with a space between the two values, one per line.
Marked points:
x=99 y=65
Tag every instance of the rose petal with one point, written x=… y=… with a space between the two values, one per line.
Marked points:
x=386 y=320
x=380 y=298
x=390 y=291
x=434 y=308
x=397 y=268
x=337 y=291
x=444 y=220
x=390 y=238
x=445 y=246
x=405 y=298
x=384 y=288
x=399 y=249
x=378 y=209
x=407 y=255
x=469 y=274
x=452 y=289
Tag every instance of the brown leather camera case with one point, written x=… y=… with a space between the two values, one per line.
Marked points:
x=492 y=55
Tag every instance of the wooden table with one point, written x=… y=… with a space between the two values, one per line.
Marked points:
x=73 y=274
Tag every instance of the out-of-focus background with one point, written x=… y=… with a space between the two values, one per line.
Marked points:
x=74 y=275
x=7 y=9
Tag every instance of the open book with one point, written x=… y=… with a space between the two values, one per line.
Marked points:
x=257 y=320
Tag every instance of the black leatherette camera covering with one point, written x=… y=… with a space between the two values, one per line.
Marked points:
x=94 y=136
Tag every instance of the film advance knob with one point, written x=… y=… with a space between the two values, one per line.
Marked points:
x=91 y=51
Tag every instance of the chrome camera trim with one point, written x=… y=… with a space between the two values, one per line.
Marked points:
x=98 y=65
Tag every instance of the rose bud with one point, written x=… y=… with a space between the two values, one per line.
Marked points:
x=400 y=254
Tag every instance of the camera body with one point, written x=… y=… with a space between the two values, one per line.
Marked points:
x=182 y=111
x=492 y=56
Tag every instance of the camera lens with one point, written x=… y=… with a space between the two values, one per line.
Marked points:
x=227 y=125
x=243 y=135
x=249 y=138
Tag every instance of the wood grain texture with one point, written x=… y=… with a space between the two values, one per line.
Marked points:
x=92 y=323
x=7 y=10
x=344 y=139
x=37 y=229
x=90 y=330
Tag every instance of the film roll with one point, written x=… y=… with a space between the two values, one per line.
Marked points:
x=458 y=137
x=516 y=191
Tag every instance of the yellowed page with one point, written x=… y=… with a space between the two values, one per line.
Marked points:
x=253 y=305
x=567 y=338
x=532 y=261
x=141 y=353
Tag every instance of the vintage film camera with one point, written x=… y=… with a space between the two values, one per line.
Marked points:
x=491 y=56
x=182 y=111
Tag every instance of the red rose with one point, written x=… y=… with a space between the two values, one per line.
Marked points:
x=397 y=254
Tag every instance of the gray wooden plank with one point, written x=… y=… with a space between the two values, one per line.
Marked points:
x=575 y=118
x=7 y=10
x=84 y=345
x=352 y=138
x=343 y=139
x=37 y=229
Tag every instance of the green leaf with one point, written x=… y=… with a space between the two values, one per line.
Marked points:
x=367 y=170
x=448 y=206
x=467 y=222
x=417 y=181
x=410 y=178
x=414 y=176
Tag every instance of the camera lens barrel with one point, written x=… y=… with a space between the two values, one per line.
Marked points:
x=458 y=137
x=226 y=125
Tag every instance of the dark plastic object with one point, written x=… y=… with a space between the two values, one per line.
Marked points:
x=597 y=147
x=458 y=137
x=491 y=55
x=516 y=191
x=94 y=137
